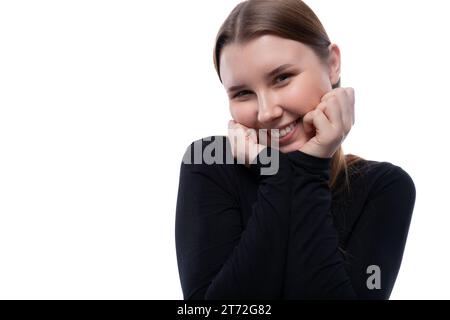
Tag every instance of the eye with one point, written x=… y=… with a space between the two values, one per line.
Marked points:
x=285 y=75
x=238 y=95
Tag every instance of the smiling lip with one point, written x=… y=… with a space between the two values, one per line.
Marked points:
x=289 y=135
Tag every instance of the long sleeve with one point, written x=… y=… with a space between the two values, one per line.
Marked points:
x=316 y=268
x=379 y=237
x=217 y=257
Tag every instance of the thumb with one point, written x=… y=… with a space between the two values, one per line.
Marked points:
x=308 y=122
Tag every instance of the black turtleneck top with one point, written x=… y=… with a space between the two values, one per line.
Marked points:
x=243 y=235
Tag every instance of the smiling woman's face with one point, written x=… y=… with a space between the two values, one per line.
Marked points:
x=275 y=101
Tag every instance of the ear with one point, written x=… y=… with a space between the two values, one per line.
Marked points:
x=334 y=63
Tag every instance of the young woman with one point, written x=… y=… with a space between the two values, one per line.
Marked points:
x=325 y=225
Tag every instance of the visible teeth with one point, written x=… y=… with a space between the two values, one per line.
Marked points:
x=281 y=133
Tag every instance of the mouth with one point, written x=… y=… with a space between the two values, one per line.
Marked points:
x=285 y=133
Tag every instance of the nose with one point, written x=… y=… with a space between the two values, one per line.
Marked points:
x=268 y=109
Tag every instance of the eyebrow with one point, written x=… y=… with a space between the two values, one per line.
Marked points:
x=267 y=76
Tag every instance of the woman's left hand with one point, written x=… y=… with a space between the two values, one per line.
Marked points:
x=331 y=120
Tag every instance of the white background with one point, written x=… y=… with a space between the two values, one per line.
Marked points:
x=99 y=100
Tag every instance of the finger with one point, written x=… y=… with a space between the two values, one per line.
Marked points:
x=308 y=123
x=321 y=122
x=235 y=133
x=236 y=128
x=252 y=135
x=351 y=95
x=232 y=134
x=346 y=99
x=344 y=109
x=342 y=96
x=331 y=110
x=347 y=108
x=333 y=93
x=342 y=102
x=316 y=120
x=327 y=95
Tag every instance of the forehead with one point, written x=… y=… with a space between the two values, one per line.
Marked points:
x=259 y=55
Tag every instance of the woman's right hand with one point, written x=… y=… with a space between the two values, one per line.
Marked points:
x=244 y=142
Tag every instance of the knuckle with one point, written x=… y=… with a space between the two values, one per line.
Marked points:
x=321 y=106
x=332 y=99
x=350 y=92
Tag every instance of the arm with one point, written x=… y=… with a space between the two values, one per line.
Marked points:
x=315 y=267
x=380 y=234
x=217 y=257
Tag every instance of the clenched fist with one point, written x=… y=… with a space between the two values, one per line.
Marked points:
x=244 y=142
x=331 y=120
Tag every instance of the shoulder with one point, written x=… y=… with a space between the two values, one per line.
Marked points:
x=381 y=177
x=211 y=150
x=210 y=158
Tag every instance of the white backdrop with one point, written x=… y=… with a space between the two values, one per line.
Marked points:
x=99 y=100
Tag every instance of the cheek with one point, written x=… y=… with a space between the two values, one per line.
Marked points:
x=304 y=93
x=242 y=114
